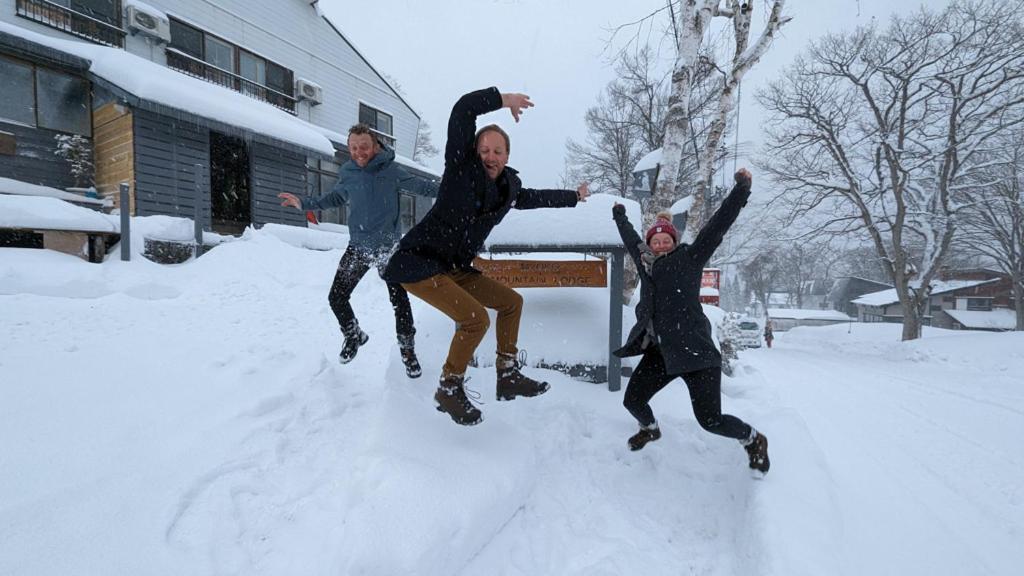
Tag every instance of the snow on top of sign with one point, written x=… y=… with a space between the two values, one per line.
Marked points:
x=156 y=83
x=998 y=319
x=804 y=314
x=708 y=291
x=43 y=213
x=650 y=161
x=886 y=297
x=588 y=223
x=9 y=186
x=682 y=205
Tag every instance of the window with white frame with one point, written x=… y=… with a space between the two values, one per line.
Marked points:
x=381 y=123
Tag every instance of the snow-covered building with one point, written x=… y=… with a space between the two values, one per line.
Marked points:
x=847 y=289
x=226 y=103
x=972 y=300
x=786 y=318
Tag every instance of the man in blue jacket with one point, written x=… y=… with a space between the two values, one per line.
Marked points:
x=370 y=184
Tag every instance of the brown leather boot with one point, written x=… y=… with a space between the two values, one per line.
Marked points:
x=646 y=434
x=757 y=449
x=512 y=383
x=451 y=399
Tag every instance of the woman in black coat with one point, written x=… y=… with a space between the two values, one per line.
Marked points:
x=672 y=333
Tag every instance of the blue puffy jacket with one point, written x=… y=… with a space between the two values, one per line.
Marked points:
x=372 y=197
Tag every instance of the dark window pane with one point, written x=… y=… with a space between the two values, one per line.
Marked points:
x=367 y=116
x=63 y=102
x=17 y=104
x=407 y=212
x=108 y=11
x=220 y=54
x=279 y=78
x=186 y=39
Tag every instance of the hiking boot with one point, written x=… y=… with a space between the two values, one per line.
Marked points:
x=451 y=399
x=412 y=364
x=757 y=449
x=646 y=434
x=351 y=346
x=512 y=383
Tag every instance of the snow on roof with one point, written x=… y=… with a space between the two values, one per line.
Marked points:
x=650 y=161
x=153 y=82
x=998 y=319
x=886 y=297
x=682 y=205
x=9 y=186
x=588 y=223
x=804 y=314
x=406 y=161
x=42 y=213
x=708 y=291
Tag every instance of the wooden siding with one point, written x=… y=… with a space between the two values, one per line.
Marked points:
x=114 y=152
x=274 y=171
x=166 y=152
x=35 y=160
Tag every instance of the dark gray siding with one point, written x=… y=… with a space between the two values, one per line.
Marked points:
x=275 y=170
x=34 y=160
x=166 y=153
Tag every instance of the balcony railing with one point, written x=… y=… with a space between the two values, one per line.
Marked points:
x=71 y=21
x=204 y=70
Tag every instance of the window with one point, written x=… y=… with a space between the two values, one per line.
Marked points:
x=321 y=177
x=221 y=62
x=108 y=11
x=407 y=211
x=95 y=20
x=979 y=304
x=63 y=102
x=45 y=98
x=18 y=104
x=381 y=123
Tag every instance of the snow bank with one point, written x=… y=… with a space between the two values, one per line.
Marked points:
x=588 y=223
x=17 y=187
x=44 y=213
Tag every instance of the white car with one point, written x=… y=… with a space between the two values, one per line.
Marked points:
x=751 y=332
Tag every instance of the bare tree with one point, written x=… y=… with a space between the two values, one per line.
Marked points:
x=612 y=147
x=885 y=132
x=993 y=227
x=424 y=146
x=761 y=274
x=694 y=18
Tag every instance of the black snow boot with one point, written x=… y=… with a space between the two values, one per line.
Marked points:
x=646 y=434
x=757 y=449
x=512 y=383
x=412 y=364
x=351 y=346
x=451 y=399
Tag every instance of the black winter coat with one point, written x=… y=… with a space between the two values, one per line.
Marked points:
x=469 y=204
x=670 y=291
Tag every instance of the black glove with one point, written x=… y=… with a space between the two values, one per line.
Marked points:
x=618 y=210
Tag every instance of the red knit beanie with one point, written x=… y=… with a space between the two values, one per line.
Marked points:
x=663 y=223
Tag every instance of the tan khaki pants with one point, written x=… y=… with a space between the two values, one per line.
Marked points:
x=464 y=297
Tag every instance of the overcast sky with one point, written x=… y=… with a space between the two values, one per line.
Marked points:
x=556 y=51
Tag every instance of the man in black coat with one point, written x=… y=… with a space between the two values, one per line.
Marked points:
x=434 y=259
x=672 y=332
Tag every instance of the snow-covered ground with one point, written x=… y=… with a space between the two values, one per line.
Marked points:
x=192 y=419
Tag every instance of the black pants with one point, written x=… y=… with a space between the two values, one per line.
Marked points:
x=353 y=266
x=705 y=395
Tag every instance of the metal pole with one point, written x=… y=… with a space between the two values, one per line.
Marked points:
x=126 y=227
x=198 y=217
x=615 y=321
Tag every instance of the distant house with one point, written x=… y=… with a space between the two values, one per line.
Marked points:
x=847 y=289
x=213 y=107
x=786 y=318
x=974 y=302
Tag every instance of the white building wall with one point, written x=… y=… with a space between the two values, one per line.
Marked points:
x=292 y=34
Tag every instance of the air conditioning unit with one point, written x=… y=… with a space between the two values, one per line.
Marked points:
x=149 y=21
x=309 y=91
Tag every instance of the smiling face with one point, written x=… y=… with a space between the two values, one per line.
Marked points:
x=661 y=243
x=493 y=152
x=362 y=148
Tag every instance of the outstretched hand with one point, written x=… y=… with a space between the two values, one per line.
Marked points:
x=744 y=174
x=618 y=210
x=583 y=192
x=290 y=200
x=516 y=103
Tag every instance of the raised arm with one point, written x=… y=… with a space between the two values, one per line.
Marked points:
x=630 y=238
x=462 y=123
x=530 y=198
x=710 y=237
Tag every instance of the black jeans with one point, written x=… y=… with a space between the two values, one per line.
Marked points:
x=705 y=388
x=353 y=266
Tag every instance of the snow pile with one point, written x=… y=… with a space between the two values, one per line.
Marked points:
x=17 y=187
x=44 y=213
x=589 y=223
x=193 y=419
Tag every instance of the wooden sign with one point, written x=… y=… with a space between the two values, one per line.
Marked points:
x=546 y=273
